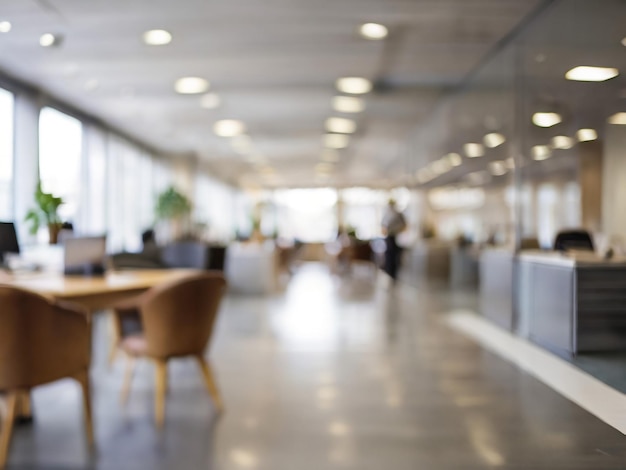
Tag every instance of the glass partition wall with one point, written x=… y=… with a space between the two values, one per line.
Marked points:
x=532 y=143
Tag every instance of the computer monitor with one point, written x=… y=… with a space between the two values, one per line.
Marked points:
x=8 y=240
x=85 y=255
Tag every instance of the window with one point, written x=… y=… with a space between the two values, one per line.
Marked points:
x=60 y=151
x=6 y=155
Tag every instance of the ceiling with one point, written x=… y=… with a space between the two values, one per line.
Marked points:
x=273 y=64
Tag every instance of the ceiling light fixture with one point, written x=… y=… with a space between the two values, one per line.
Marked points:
x=617 y=118
x=157 y=37
x=474 y=150
x=562 y=142
x=229 y=128
x=494 y=140
x=584 y=73
x=541 y=152
x=586 y=135
x=340 y=125
x=210 y=101
x=49 y=39
x=455 y=159
x=498 y=168
x=424 y=175
x=336 y=141
x=5 y=26
x=348 y=104
x=330 y=155
x=191 y=85
x=354 y=85
x=546 y=119
x=373 y=31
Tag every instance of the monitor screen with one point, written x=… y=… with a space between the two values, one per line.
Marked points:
x=8 y=239
x=81 y=252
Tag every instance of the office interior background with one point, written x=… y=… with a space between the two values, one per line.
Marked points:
x=494 y=124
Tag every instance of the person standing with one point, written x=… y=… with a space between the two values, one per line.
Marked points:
x=393 y=223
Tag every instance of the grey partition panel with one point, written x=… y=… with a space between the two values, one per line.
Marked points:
x=496 y=287
x=552 y=294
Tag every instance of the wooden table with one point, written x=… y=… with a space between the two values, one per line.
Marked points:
x=95 y=293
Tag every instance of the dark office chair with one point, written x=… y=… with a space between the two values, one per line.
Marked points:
x=573 y=240
x=190 y=254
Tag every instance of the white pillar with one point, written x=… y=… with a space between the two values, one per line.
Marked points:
x=26 y=168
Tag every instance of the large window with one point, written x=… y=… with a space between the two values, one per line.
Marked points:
x=6 y=155
x=60 y=150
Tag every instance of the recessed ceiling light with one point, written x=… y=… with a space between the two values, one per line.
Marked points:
x=454 y=158
x=340 y=125
x=354 y=85
x=586 y=135
x=324 y=168
x=541 y=152
x=229 y=128
x=5 y=26
x=441 y=166
x=373 y=31
x=48 y=39
x=494 y=140
x=473 y=150
x=157 y=37
x=348 y=104
x=562 y=142
x=424 y=175
x=191 y=85
x=546 y=119
x=210 y=101
x=617 y=118
x=498 y=168
x=336 y=141
x=585 y=73
x=330 y=155
x=510 y=163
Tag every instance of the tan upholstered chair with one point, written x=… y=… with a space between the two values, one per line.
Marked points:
x=40 y=341
x=177 y=320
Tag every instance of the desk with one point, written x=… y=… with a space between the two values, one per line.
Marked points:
x=95 y=293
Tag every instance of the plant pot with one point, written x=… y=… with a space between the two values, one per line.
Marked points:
x=53 y=231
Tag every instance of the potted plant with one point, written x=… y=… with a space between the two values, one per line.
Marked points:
x=173 y=206
x=46 y=212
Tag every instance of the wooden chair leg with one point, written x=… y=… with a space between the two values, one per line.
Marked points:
x=7 y=426
x=24 y=408
x=210 y=383
x=114 y=335
x=83 y=380
x=160 y=392
x=128 y=378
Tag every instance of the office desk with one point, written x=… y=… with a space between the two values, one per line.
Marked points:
x=95 y=293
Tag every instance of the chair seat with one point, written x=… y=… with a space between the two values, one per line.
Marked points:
x=135 y=345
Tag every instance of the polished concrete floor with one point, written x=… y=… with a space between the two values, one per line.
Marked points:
x=334 y=372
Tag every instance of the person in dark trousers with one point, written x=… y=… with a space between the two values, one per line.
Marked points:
x=393 y=223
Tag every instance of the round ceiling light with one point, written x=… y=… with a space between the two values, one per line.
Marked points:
x=229 y=128
x=546 y=119
x=340 y=125
x=348 y=104
x=354 y=85
x=157 y=37
x=49 y=39
x=191 y=85
x=373 y=31
x=5 y=26
x=336 y=141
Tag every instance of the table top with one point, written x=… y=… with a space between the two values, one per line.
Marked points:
x=58 y=285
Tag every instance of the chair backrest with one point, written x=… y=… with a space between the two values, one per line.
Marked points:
x=186 y=255
x=573 y=240
x=178 y=317
x=39 y=341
